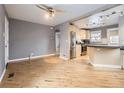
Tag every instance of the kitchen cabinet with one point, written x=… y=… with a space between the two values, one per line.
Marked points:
x=104 y=56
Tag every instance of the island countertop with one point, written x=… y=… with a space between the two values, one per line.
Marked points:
x=103 y=46
x=104 y=55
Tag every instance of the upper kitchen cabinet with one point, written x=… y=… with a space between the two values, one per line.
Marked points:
x=73 y=28
x=80 y=33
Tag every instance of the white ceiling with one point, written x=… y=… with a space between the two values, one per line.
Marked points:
x=31 y=13
x=112 y=19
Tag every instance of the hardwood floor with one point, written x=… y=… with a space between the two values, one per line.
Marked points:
x=55 y=72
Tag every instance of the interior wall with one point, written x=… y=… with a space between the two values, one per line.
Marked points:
x=121 y=30
x=104 y=29
x=27 y=38
x=64 y=39
x=2 y=47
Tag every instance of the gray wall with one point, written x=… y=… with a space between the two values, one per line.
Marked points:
x=2 y=29
x=104 y=29
x=26 y=38
x=64 y=39
x=121 y=30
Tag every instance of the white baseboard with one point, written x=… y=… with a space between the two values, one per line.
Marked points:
x=107 y=66
x=27 y=58
x=63 y=57
x=2 y=75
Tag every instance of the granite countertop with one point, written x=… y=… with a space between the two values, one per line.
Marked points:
x=121 y=47
x=103 y=46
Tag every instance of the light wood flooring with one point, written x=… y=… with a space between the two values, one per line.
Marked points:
x=55 y=72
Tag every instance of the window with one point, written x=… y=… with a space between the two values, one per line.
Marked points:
x=113 y=36
x=114 y=39
x=95 y=36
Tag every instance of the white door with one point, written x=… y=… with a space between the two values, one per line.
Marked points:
x=57 y=36
x=6 y=39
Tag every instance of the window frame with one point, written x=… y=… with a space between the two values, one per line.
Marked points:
x=96 y=31
x=108 y=35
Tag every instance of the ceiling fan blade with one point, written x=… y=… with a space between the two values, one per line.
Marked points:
x=48 y=9
x=58 y=11
x=42 y=7
x=45 y=6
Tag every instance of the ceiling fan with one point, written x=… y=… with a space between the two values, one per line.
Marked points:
x=50 y=10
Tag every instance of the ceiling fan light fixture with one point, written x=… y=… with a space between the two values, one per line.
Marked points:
x=50 y=15
x=47 y=16
x=53 y=14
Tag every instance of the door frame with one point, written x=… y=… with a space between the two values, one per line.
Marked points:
x=72 y=45
x=57 y=48
x=6 y=36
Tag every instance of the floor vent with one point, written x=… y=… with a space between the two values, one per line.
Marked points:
x=11 y=75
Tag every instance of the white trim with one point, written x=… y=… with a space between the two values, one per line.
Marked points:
x=6 y=40
x=27 y=58
x=108 y=66
x=2 y=75
x=108 y=34
x=63 y=57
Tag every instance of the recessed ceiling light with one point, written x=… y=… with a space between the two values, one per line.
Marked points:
x=113 y=12
x=121 y=13
x=101 y=17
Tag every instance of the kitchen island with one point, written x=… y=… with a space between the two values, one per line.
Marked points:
x=104 y=55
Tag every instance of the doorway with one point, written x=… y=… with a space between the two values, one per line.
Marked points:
x=57 y=38
x=72 y=45
x=6 y=40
